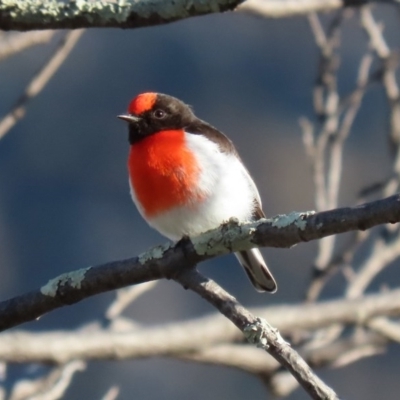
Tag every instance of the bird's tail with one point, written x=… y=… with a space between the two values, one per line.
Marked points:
x=257 y=271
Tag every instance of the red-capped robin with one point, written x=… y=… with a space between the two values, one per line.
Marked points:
x=186 y=177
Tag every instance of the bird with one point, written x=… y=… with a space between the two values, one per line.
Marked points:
x=186 y=177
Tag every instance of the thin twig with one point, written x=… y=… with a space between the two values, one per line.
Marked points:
x=326 y=157
x=333 y=355
x=386 y=328
x=15 y=43
x=336 y=151
x=326 y=103
x=341 y=262
x=50 y=387
x=112 y=393
x=390 y=62
x=39 y=81
x=382 y=253
x=126 y=296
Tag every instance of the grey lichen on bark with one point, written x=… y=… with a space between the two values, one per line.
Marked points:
x=297 y=218
x=73 y=279
x=53 y=14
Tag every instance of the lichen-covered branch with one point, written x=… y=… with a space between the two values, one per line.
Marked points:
x=168 y=260
x=258 y=332
x=26 y=15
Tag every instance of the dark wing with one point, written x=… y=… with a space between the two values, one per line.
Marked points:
x=199 y=127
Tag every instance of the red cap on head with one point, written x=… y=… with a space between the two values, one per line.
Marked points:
x=142 y=103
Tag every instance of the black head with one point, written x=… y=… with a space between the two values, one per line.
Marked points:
x=149 y=113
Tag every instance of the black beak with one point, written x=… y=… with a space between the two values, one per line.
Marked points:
x=129 y=118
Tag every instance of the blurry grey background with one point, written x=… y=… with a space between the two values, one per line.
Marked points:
x=64 y=197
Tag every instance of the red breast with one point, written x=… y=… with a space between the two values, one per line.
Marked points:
x=163 y=172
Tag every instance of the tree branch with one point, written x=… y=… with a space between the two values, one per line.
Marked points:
x=24 y=15
x=193 y=340
x=112 y=393
x=49 y=387
x=39 y=80
x=257 y=331
x=168 y=260
x=14 y=43
x=293 y=8
x=182 y=337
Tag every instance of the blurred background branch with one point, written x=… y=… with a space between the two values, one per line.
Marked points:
x=292 y=8
x=41 y=78
x=13 y=44
x=186 y=338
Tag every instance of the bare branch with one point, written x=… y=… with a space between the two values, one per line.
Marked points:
x=326 y=103
x=288 y=8
x=386 y=328
x=168 y=260
x=39 y=81
x=342 y=261
x=239 y=356
x=126 y=296
x=308 y=137
x=292 y=8
x=257 y=332
x=3 y=375
x=336 y=162
x=356 y=354
x=195 y=335
x=50 y=387
x=382 y=245
x=374 y=31
x=390 y=62
x=382 y=253
x=17 y=42
x=333 y=355
x=111 y=394
x=327 y=155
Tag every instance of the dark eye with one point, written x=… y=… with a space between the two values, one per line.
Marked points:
x=159 y=114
